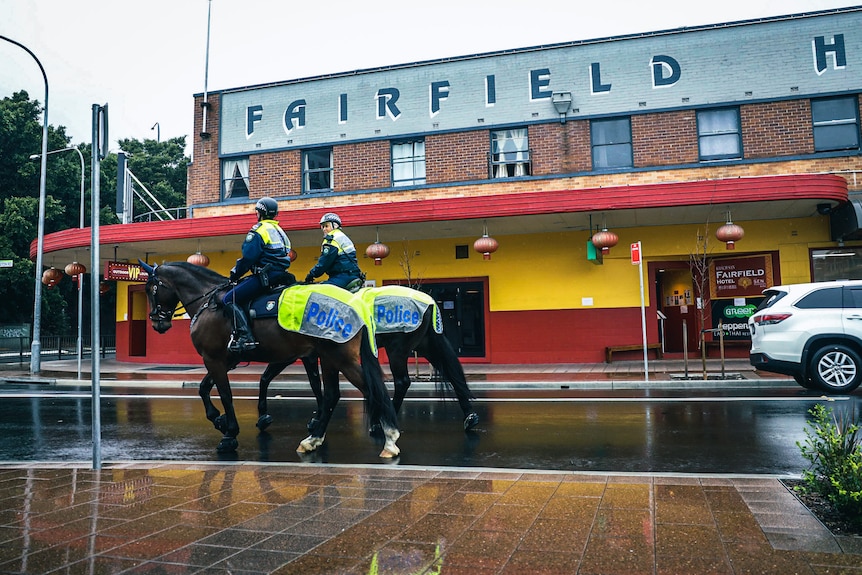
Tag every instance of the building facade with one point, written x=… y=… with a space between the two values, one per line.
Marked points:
x=662 y=139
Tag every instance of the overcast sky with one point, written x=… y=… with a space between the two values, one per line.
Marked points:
x=147 y=58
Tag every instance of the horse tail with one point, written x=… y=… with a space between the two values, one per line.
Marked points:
x=442 y=356
x=377 y=401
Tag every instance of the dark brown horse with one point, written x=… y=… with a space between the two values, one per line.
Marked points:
x=198 y=289
x=423 y=338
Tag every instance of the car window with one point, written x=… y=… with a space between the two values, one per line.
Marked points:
x=853 y=297
x=822 y=299
x=770 y=297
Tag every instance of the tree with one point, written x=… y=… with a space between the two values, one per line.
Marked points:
x=699 y=261
x=160 y=165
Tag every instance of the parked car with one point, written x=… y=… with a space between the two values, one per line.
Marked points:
x=811 y=331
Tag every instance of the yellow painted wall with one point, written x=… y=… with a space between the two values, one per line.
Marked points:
x=550 y=271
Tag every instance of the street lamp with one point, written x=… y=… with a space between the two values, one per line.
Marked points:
x=158 y=130
x=36 y=344
x=80 y=278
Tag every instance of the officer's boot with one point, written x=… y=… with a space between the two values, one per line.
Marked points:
x=241 y=339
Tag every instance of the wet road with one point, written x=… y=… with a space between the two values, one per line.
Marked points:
x=748 y=431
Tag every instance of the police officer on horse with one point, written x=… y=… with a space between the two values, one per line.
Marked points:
x=265 y=253
x=337 y=257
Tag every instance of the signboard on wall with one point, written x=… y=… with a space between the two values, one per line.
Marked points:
x=740 y=277
x=733 y=316
x=126 y=272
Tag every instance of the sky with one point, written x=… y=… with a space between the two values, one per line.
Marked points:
x=148 y=58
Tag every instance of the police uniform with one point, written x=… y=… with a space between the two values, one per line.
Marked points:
x=265 y=252
x=337 y=260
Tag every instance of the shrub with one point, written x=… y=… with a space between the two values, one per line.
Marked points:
x=833 y=447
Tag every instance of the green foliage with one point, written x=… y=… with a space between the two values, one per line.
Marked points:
x=834 y=448
x=161 y=166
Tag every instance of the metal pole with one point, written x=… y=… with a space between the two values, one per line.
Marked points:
x=36 y=344
x=100 y=145
x=207 y=68
x=80 y=345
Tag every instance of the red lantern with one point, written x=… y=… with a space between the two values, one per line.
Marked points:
x=377 y=251
x=199 y=259
x=292 y=254
x=486 y=245
x=51 y=277
x=75 y=269
x=605 y=240
x=730 y=233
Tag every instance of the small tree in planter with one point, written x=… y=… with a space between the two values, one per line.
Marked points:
x=699 y=262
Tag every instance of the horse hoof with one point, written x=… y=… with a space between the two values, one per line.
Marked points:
x=220 y=423
x=264 y=421
x=389 y=453
x=471 y=421
x=310 y=443
x=227 y=445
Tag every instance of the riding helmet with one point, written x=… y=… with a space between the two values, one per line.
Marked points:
x=331 y=217
x=266 y=208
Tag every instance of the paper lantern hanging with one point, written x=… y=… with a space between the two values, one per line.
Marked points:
x=51 y=277
x=75 y=269
x=486 y=245
x=730 y=233
x=199 y=259
x=605 y=240
x=377 y=251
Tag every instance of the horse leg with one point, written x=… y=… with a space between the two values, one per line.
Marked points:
x=439 y=353
x=401 y=377
x=310 y=365
x=212 y=412
x=369 y=380
x=228 y=443
x=330 y=397
x=264 y=419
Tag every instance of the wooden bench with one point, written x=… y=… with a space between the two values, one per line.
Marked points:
x=609 y=351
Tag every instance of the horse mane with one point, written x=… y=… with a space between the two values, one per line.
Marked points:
x=198 y=270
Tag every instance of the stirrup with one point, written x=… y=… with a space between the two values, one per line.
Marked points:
x=240 y=346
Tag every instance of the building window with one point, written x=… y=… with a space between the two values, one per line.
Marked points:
x=317 y=170
x=611 y=142
x=836 y=264
x=510 y=153
x=836 y=124
x=718 y=134
x=234 y=179
x=408 y=163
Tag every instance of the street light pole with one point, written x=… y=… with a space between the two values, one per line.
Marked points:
x=36 y=344
x=81 y=276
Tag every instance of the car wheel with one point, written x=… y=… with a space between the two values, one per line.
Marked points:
x=836 y=368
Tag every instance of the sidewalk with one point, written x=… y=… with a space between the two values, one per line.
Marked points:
x=617 y=375
x=297 y=518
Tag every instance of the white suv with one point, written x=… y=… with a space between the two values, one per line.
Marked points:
x=811 y=331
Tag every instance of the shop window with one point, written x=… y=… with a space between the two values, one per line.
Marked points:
x=408 y=163
x=510 y=153
x=718 y=134
x=234 y=181
x=611 y=142
x=836 y=264
x=836 y=124
x=317 y=170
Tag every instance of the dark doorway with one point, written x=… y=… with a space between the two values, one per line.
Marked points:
x=462 y=305
x=137 y=321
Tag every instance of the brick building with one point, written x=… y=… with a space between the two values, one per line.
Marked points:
x=661 y=138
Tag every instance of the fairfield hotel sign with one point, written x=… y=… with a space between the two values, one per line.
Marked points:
x=728 y=64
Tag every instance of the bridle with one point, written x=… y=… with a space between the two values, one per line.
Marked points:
x=164 y=314
x=160 y=313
